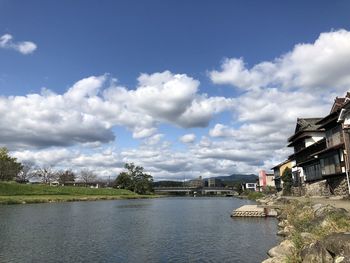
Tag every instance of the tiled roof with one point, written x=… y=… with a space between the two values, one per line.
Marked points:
x=307 y=124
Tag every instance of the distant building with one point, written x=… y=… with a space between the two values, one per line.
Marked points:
x=250 y=186
x=214 y=182
x=278 y=172
x=266 y=180
x=197 y=183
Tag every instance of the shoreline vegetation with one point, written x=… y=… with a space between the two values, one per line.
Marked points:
x=15 y=193
x=311 y=232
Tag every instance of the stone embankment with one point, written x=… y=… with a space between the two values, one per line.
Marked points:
x=311 y=233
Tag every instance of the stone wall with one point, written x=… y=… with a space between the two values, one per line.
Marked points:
x=338 y=185
x=330 y=186
x=319 y=188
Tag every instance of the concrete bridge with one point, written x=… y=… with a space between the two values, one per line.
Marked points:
x=194 y=190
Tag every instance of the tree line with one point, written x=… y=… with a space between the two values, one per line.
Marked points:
x=133 y=178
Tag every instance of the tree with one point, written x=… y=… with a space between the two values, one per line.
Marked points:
x=87 y=176
x=66 y=176
x=9 y=167
x=124 y=181
x=287 y=180
x=27 y=172
x=134 y=179
x=46 y=174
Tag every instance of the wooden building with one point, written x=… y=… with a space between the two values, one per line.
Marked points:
x=307 y=139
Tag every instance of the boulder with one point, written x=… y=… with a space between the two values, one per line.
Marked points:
x=316 y=253
x=288 y=229
x=285 y=248
x=342 y=260
x=282 y=233
x=324 y=210
x=338 y=244
x=281 y=224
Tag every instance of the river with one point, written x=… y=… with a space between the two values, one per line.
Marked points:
x=145 y=230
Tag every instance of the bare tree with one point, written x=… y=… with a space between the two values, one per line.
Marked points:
x=66 y=176
x=27 y=172
x=46 y=174
x=87 y=176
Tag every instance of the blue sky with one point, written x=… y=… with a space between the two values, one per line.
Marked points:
x=120 y=40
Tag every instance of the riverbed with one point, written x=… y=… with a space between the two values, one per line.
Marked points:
x=143 y=230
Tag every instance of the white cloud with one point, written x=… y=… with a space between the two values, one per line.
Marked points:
x=319 y=66
x=24 y=47
x=188 y=138
x=87 y=112
x=300 y=83
x=221 y=130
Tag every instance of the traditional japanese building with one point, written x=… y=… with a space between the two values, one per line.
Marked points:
x=307 y=139
x=332 y=159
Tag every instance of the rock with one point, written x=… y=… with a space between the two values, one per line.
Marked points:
x=274 y=260
x=285 y=248
x=342 y=260
x=323 y=211
x=282 y=233
x=315 y=207
x=288 y=229
x=338 y=244
x=316 y=253
x=281 y=224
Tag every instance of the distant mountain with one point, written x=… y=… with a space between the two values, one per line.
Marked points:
x=247 y=178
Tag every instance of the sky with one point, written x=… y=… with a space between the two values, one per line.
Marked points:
x=182 y=88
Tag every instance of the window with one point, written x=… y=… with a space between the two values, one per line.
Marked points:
x=312 y=172
x=334 y=136
x=330 y=164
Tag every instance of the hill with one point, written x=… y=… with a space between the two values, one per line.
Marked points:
x=247 y=178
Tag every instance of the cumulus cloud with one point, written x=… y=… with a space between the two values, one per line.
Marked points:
x=24 y=47
x=188 y=138
x=87 y=112
x=319 y=66
x=300 y=83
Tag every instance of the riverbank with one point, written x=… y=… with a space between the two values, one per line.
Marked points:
x=14 y=193
x=311 y=232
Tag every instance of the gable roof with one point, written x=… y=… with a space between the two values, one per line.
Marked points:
x=332 y=117
x=305 y=125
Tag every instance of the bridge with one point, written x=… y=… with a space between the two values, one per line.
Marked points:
x=194 y=190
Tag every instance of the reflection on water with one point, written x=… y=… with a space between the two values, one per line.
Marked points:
x=156 y=230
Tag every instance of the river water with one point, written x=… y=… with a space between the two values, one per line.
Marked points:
x=145 y=230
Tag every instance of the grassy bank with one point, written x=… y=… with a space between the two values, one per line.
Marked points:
x=251 y=195
x=14 y=193
x=307 y=226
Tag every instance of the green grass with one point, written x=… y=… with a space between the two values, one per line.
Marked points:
x=302 y=218
x=253 y=195
x=14 y=193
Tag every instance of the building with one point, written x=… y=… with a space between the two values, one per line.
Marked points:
x=214 y=182
x=278 y=172
x=196 y=183
x=307 y=139
x=250 y=186
x=332 y=158
x=266 y=180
